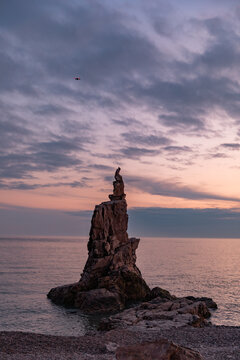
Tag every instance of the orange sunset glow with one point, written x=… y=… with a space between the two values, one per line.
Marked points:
x=162 y=104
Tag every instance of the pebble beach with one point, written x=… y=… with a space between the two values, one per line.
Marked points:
x=213 y=343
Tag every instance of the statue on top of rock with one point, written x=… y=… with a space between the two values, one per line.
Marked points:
x=118 y=187
x=117 y=175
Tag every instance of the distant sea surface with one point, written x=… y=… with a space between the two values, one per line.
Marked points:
x=30 y=267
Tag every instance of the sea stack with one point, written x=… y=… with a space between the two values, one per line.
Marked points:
x=110 y=279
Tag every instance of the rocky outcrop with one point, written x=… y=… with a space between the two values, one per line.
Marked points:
x=110 y=279
x=161 y=313
x=162 y=349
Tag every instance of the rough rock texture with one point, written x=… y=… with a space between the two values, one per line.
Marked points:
x=161 y=349
x=110 y=278
x=161 y=313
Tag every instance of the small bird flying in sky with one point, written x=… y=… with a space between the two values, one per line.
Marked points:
x=77 y=78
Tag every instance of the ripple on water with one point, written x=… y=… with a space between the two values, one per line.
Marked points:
x=30 y=267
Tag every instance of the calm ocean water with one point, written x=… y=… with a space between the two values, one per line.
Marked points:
x=30 y=267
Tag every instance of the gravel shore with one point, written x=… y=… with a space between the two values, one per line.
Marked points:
x=214 y=343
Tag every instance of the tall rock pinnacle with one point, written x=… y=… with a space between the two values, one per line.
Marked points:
x=110 y=279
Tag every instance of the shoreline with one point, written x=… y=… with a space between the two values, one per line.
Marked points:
x=213 y=343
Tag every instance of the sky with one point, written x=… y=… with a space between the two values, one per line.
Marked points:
x=159 y=96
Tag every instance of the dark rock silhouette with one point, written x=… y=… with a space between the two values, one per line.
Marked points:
x=118 y=187
x=110 y=279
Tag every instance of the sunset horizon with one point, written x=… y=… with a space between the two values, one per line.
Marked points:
x=158 y=96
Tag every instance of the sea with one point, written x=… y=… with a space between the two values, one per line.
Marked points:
x=30 y=267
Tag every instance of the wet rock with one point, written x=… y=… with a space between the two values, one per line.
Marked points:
x=158 y=350
x=208 y=301
x=160 y=315
x=110 y=279
x=92 y=301
x=161 y=293
x=64 y=295
x=98 y=301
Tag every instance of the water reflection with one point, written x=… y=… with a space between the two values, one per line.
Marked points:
x=30 y=267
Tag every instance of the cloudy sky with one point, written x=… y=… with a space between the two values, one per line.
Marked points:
x=159 y=96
